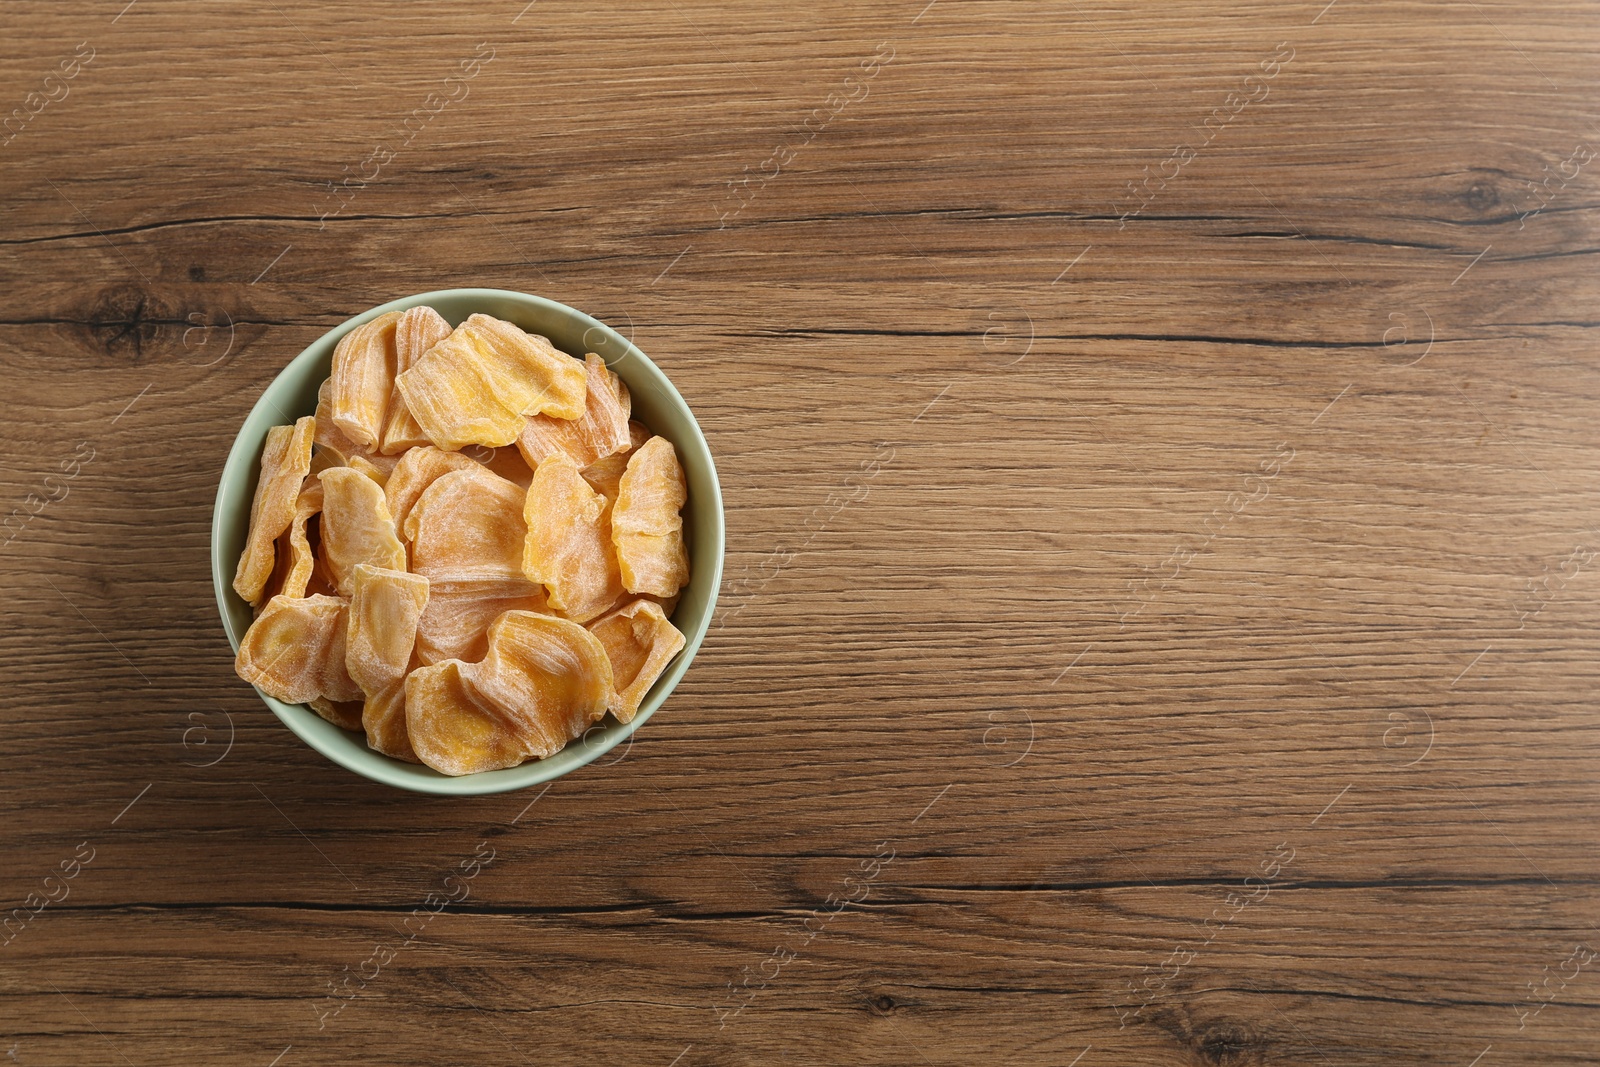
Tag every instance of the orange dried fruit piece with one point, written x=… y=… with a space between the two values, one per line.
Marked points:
x=285 y=462
x=363 y=375
x=568 y=548
x=455 y=623
x=418 y=468
x=600 y=431
x=382 y=631
x=477 y=385
x=451 y=729
x=542 y=683
x=467 y=526
x=639 y=643
x=549 y=677
x=294 y=651
x=383 y=717
x=356 y=527
x=345 y=714
x=646 y=524
x=419 y=329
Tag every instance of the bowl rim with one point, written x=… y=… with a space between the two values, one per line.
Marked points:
x=372 y=765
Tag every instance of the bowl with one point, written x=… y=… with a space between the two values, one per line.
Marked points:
x=656 y=403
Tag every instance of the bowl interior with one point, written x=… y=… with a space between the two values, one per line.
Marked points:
x=293 y=393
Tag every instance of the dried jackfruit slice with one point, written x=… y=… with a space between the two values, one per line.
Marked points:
x=646 y=524
x=383 y=717
x=363 y=374
x=476 y=386
x=356 y=527
x=418 y=330
x=294 y=651
x=656 y=563
x=384 y=608
x=639 y=643
x=600 y=431
x=345 y=714
x=285 y=462
x=418 y=468
x=568 y=547
x=455 y=623
x=548 y=676
x=451 y=729
x=467 y=526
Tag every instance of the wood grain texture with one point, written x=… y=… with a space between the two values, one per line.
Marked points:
x=1159 y=453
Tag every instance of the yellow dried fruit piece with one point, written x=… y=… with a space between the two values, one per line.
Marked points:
x=294 y=651
x=568 y=548
x=285 y=462
x=356 y=527
x=450 y=729
x=418 y=468
x=543 y=682
x=467 y=526
x=477 y=385
x=646 y=524
x=345 y=714
x=639 y=643
x=548 y=676
x=383 y=717
x=600 y=431
x=455 y=623
x=419 y=329
x=384 y=608
x=363 y=374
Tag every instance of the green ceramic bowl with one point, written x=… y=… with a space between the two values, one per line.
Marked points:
x=656 y=403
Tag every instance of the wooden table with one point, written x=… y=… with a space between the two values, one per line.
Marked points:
x=1160 y=459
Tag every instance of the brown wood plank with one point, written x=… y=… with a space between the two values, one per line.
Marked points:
x=1117 y=505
